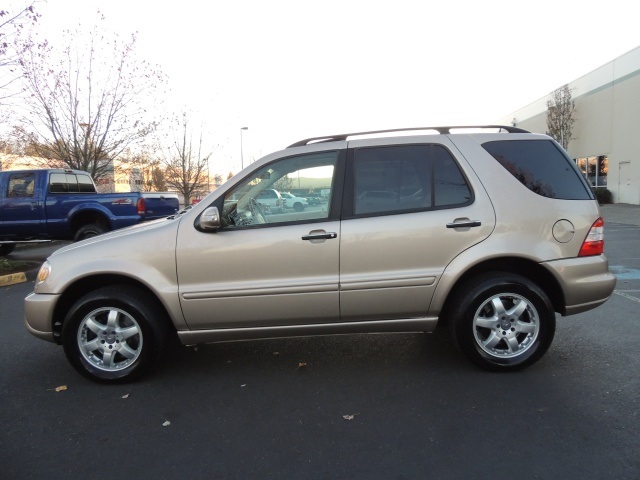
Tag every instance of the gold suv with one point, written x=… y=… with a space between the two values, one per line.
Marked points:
x=491 y=231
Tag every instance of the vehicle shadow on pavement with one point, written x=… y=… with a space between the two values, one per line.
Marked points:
x=314 y=355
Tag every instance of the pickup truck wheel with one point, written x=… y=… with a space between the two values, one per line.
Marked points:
x=114 y=334
x=298 y=207
x=88 y=231
x=502 y=321
x=6 y=248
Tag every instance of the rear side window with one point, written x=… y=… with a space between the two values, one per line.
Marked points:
x=70 y=183
x=85 y=184
x=58 y=183
x=541 y=167
x=404 y=178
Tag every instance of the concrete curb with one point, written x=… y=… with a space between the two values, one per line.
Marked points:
x=19 y=277
x=12 y=279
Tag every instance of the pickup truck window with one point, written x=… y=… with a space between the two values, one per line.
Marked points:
x=21 y=185
x=70 y=183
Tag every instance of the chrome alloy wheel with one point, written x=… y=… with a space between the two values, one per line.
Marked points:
x=109 y=339
x=506 y=325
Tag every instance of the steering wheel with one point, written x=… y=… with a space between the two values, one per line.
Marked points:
x=256 y=211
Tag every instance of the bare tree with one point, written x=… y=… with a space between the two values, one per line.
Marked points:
x=17 y=141
x=186 y=168
x=146 y=167
x=560 y=110
x=86 y=98
x=11 y=25
x=158 y=181
x=283 y=184
x=20 y=147
x=152 y=176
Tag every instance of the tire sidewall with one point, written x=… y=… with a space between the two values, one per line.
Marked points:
x=89 y=231
x=478 y=294
x=128 y=301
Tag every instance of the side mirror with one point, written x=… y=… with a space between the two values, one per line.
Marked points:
x=210 y=219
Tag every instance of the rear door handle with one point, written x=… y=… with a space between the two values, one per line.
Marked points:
x=320 y=236
x=468 y=223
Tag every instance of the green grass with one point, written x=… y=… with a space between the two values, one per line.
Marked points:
x=13 y=266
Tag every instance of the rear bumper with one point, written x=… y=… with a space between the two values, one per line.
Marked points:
x=585 y=281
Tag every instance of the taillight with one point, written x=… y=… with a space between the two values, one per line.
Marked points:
x=141 y=208
x=594 y=243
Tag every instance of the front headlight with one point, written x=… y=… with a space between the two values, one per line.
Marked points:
x=43 y=274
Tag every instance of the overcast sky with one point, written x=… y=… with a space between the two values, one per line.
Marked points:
x=288 y=70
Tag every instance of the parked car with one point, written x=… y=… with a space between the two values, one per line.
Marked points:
x=271 y=201
x=490 y=234
x=59 y=204
x=291 y=201
x=313 y=199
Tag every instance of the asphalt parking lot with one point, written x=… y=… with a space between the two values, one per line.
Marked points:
x=399 y=406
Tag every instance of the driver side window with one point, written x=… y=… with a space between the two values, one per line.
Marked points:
x=292 y=189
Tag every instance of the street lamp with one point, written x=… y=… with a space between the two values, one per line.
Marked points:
x=241 y=156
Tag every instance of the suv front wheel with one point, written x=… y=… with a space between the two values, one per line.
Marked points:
x=502 y=321
x=114 y=334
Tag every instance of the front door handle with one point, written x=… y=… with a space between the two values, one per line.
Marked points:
x=320 y=236
x=465 y=224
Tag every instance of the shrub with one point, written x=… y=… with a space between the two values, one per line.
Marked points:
x=603 y=195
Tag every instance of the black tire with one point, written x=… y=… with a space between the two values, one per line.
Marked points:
x=298 y=207
x=501 y=321
x=114 y=334
x=6 y=248
x=88 y=231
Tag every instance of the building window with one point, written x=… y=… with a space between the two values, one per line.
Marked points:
x=594 y=169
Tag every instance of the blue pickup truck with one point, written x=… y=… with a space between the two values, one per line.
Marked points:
x=57 y=204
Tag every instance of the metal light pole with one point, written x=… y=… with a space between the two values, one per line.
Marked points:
x=241 y=156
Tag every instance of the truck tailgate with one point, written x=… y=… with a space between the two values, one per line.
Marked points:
x=159 y=205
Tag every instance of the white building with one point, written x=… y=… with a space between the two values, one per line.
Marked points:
x=605 y=140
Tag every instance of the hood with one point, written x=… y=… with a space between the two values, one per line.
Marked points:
x=124 y=234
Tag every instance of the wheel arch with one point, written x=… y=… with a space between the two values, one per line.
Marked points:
x=87 y=217
x=86 y=285
x=514 y=265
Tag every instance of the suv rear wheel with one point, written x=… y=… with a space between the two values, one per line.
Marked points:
x=502 y=321
x=114 y=334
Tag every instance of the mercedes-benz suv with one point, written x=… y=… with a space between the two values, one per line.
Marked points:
x=489 y=232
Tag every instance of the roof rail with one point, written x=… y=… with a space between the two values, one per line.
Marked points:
x=440 y=130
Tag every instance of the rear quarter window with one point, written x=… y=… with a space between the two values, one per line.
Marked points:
x=85 y=184
x=541 y=167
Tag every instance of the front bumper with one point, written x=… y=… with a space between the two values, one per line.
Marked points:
x=38 y=315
